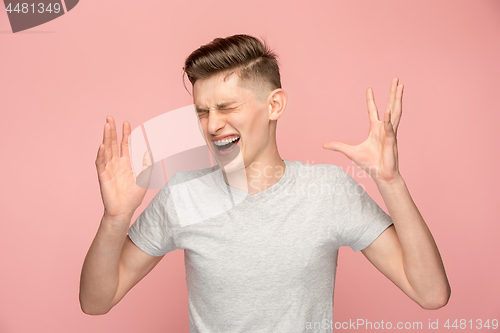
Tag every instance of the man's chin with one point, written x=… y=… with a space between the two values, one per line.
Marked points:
x=231 y=162
x=233 y=165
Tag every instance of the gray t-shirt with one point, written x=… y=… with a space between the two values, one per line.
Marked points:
x=261 y=263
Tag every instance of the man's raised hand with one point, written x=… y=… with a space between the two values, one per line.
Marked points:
x=121 y=195
x=378 y=155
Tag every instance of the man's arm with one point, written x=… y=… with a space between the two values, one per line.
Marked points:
x=113 y=265
x=406 y=252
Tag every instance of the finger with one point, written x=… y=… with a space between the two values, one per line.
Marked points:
x=372 y=108
x=389 y=131
x=114 y=140
x=108 y=154
x=392 y=93
x=99 y=161
x=125 y=148
x=398 y=107
x=341 y=147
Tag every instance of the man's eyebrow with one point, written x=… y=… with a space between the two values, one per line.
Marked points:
x=219 y=106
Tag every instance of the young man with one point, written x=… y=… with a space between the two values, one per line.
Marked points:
x=267 y=261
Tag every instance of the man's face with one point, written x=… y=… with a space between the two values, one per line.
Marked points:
x=229 y=111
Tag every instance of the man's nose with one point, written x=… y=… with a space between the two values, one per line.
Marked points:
x=215 y=121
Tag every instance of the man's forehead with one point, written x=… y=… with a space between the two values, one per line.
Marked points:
x=218 y=98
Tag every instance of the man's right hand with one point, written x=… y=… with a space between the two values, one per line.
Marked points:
x=119 y=191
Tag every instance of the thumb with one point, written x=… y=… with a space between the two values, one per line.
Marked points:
x=144 y=178
x=340 y=147
x=147 y=160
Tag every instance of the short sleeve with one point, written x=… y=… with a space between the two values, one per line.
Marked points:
x=360 y=218
x=152 y=230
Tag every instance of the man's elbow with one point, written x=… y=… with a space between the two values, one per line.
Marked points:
x=437 y=301
x=93 y=311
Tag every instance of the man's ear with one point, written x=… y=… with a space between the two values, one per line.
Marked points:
x=277 y=103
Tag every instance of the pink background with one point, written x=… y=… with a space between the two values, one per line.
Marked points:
x=60 y=80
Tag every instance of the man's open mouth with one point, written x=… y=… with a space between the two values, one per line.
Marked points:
x=226 y=144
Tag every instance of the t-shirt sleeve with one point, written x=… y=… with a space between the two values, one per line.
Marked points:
x=360 y=219
x=152 y=230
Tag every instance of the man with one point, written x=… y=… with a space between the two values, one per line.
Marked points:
x=267 y=263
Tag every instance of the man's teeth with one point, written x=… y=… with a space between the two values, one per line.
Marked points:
x=225 y=142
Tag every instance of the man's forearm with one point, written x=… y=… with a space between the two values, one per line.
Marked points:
x=100 y=271
x=421 y=259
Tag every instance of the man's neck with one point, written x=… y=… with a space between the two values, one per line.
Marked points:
x=258 y=176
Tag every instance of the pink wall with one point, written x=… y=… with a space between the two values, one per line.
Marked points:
x=59 y=81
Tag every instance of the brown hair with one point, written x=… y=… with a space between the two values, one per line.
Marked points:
x=251 y=58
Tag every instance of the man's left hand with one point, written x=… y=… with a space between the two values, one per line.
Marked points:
x=378 y=155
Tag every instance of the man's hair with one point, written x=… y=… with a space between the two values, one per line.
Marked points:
x=250 y=58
